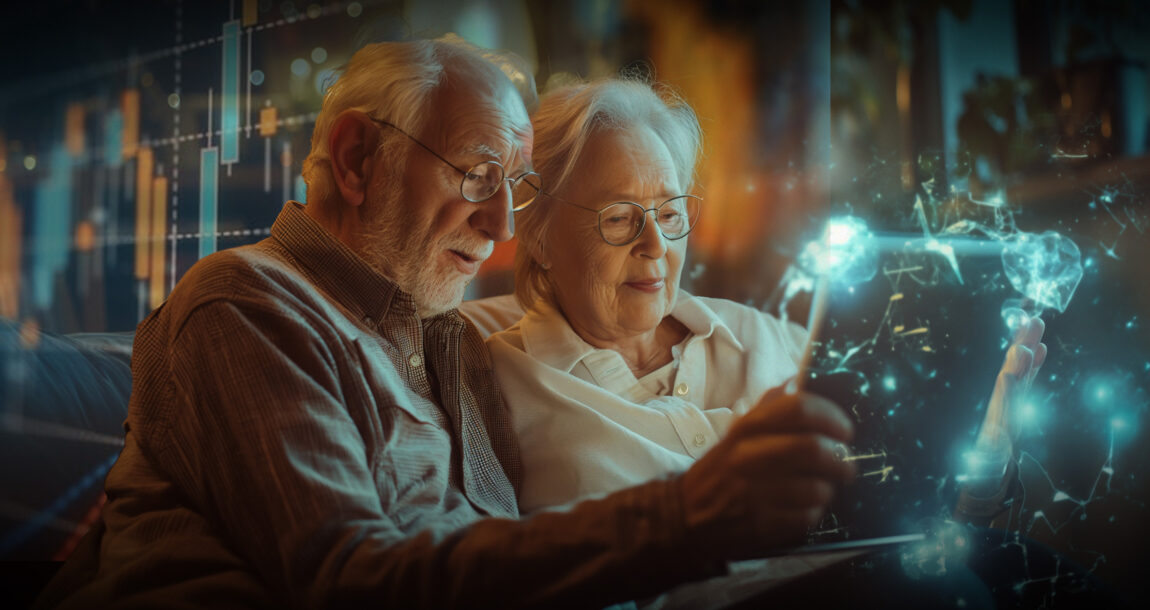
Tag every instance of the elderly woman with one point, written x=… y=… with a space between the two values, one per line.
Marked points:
x=615 y=376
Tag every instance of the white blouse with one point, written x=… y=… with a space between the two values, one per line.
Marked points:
x=587 y=426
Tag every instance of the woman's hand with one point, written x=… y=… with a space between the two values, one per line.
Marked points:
x=1023 y=359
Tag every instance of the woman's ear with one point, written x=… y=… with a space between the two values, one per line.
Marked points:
x=352 y=143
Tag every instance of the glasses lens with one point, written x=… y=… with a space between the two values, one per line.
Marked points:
x=677 y=216
x=524 y=190
x=620 y=222
x=481 y=182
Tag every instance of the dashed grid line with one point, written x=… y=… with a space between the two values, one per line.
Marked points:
x=232 y=233
x=175 y=208
x=299 y=119
x=44 y=84
x=122 y=240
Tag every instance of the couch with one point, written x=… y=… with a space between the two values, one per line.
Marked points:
x=65 y=398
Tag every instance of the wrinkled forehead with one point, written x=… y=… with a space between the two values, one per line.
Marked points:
x=628 y=162
x=478 y=111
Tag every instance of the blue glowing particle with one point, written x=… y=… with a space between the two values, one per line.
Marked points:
x=1102 y=392
x=257 y=77
x=888 y=382
x=300 y=67
x=1132 y=323
x=845 y=252
x=1013 y=316
x=1028 y=412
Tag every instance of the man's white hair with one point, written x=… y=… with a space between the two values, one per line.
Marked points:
x=395 y=81
x=566 y=119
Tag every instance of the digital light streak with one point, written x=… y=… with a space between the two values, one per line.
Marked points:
x=843 y=255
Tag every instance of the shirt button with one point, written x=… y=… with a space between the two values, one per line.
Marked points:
x=415 y=360
x=700 y=440
x=681 y=389
x=369 y=322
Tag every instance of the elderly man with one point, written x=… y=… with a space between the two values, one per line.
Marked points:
x=313 y=424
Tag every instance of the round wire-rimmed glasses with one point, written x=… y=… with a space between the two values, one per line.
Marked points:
x=622 y=222
x=485 y=178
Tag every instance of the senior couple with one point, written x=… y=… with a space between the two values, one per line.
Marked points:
x=314 y=424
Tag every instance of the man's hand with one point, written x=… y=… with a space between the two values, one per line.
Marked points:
x=770 y=478
x=1021 y=365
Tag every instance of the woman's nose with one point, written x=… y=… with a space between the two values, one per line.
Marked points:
x=651 y=242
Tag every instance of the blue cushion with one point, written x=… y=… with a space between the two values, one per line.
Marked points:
x=61 y=427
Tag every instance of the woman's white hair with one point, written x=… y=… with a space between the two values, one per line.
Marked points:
x=394 y=81
x=566 y=119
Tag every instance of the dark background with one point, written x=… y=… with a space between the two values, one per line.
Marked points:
x=809 y=110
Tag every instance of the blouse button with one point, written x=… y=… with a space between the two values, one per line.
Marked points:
x=700 y=440
x=415 y=360
x=681 y=389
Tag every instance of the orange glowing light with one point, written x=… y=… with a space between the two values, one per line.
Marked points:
x=159 y=217
x=130 y=107
x=268 y=121
x=74 y=129
x=85 y=236
x=145 y=166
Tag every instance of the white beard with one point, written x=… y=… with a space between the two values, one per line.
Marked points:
x=407 y=255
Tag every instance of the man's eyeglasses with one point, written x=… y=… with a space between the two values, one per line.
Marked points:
x=484 y=179
x=622 y=222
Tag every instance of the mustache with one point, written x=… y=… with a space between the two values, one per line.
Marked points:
x=479 y=249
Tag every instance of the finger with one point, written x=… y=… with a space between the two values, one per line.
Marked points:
x=1019 y=359
x=796 y=413
x=772 y=456
x=1039 y=360
x=1031 y=333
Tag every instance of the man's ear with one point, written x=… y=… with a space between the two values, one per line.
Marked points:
x=352 y=143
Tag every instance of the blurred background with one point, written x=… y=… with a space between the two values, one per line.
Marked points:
x=137 y=137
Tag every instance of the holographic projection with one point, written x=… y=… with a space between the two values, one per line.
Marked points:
x=914 y=352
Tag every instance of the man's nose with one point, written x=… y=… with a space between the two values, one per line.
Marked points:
x=494 y=217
